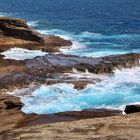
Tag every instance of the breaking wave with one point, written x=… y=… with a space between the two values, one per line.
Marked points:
x=114 y=91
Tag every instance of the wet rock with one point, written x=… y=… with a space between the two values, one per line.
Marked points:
x=63 y=63
x=79 y=85
x=132 y=109
x=13 y=73
x=91 y=113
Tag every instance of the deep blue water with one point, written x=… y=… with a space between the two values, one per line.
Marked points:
x=102 y=27
x=97 y=28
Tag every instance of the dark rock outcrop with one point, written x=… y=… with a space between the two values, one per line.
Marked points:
x=132 y=109
x=62 y=63
x=42 y=68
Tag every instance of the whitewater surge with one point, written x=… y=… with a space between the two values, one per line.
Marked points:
x=22 y=54
x=115 y=91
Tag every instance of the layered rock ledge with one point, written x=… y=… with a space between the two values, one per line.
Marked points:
x=16 y=33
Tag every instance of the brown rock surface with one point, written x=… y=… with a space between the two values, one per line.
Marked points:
x=10 y=112
x=110 y=128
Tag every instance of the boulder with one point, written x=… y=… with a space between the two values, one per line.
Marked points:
x=132 y=108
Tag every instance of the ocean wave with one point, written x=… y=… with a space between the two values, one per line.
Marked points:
x=99 y=36
x=54 y=32
x=102 y=53
x=3 y=14
x=92 y=44
x=22 y=54
x=65 y=35
x=89 y=35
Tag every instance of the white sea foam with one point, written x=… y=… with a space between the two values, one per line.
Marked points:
x=71 y=49
x=102 y=36
x=53 y=32
x=21 y=54
x=32 y=23
x=76 y=45
x=85 y=75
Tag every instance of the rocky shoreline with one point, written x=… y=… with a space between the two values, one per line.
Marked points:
x=50 y=69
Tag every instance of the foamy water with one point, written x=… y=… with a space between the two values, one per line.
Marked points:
x=92 y=44
x=22 y=54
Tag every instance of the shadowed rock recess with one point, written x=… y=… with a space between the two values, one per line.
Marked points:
x=50 y=69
